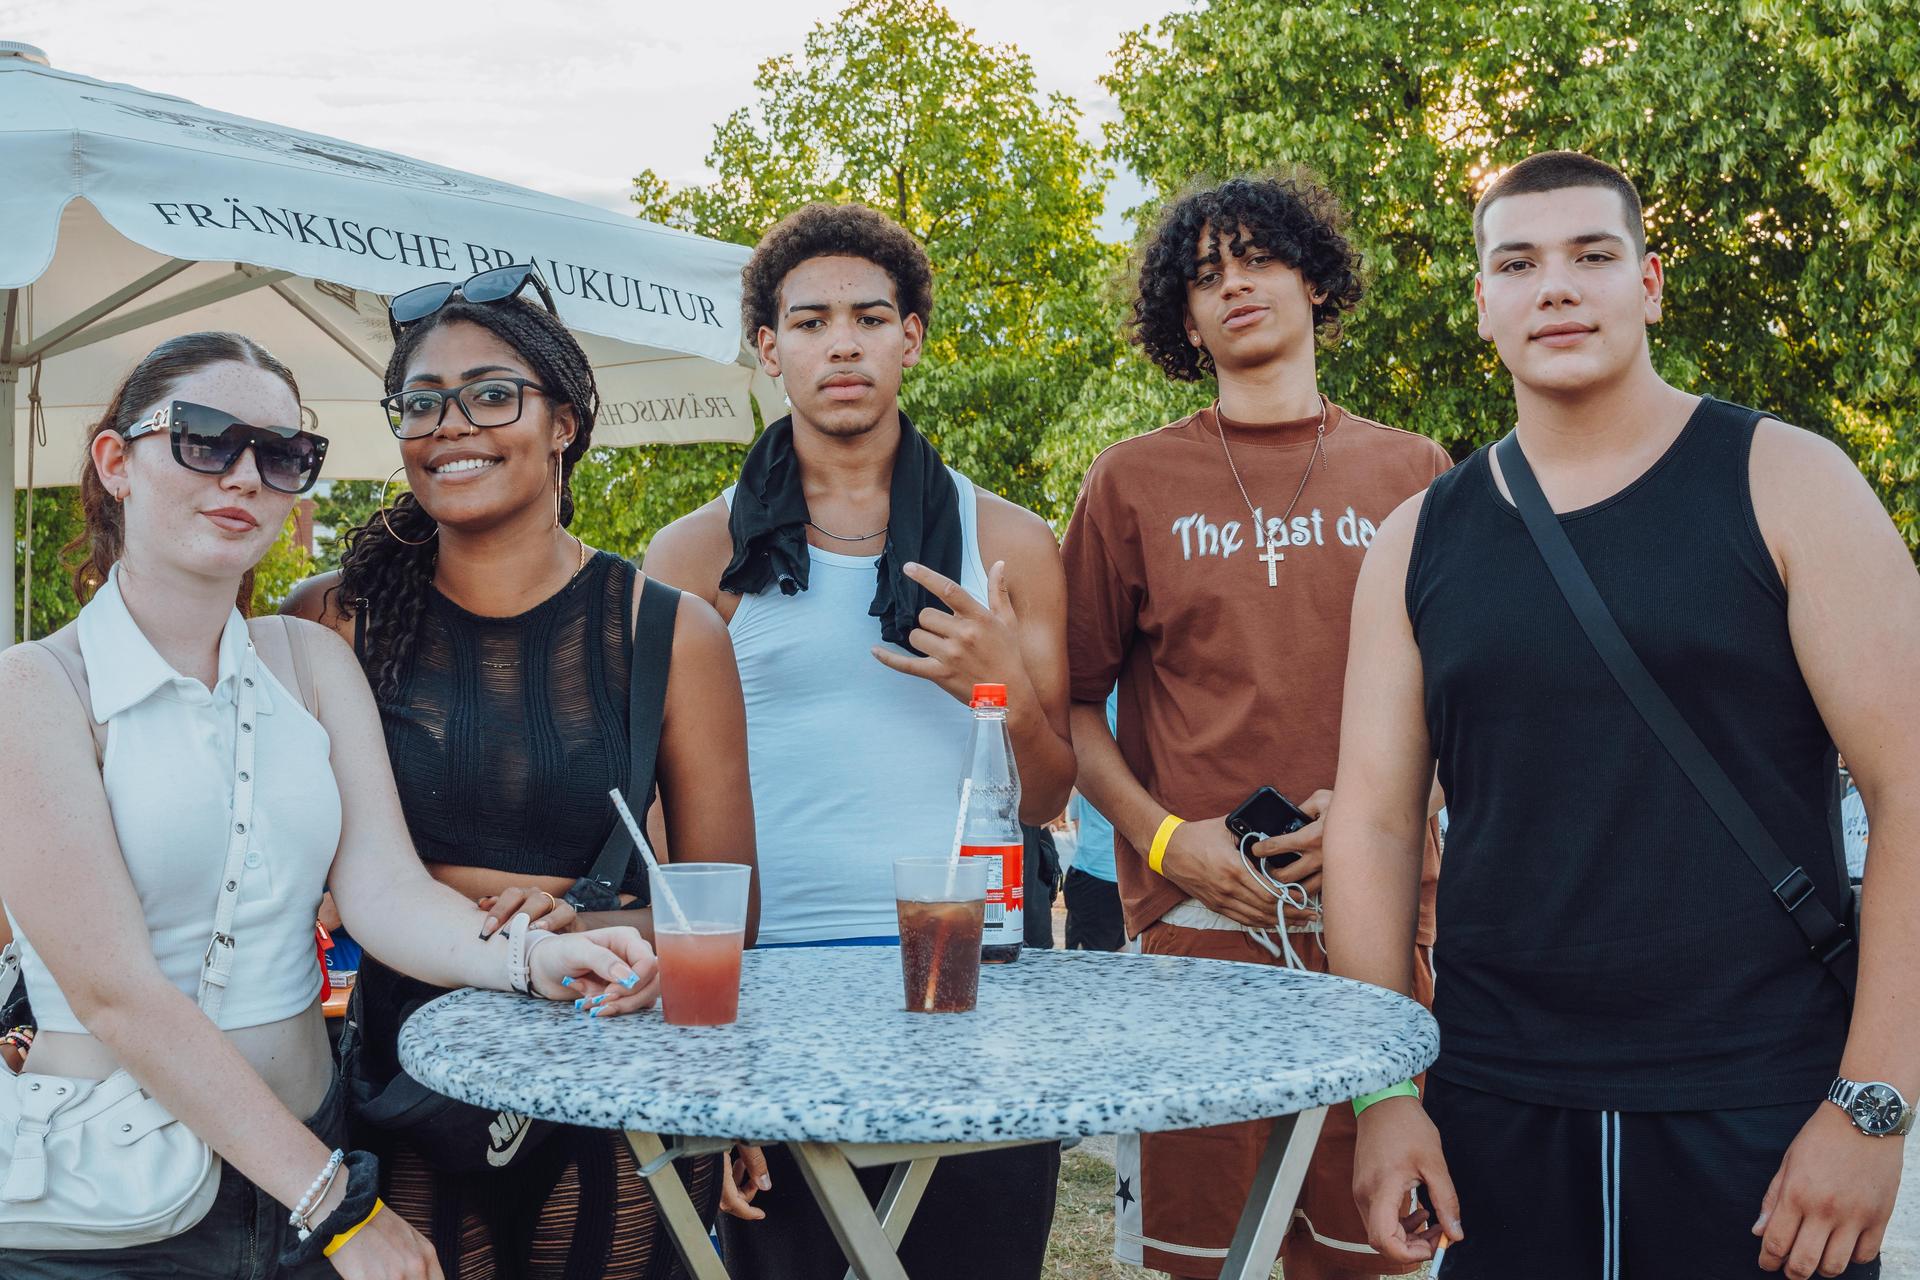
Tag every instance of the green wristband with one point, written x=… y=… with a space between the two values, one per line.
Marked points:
x=1405 y=1089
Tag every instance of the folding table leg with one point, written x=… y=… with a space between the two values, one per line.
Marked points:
x=676 y=1206
x=844 y=1204
x=901 y=1198
x=1270 y=1201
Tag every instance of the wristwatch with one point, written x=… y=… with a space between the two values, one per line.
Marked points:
x=1875 y=1107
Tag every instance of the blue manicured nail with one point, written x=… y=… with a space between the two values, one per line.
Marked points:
x=594 y=1014
x=630 y=981
x=566 y=982
x=602 y=997
x=581 y=1003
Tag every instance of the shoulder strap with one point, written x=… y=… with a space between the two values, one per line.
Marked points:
x=1829 y=940
x=283 y=647
x=64 y=645
x=647 y=670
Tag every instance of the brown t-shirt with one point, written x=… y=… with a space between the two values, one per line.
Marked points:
x=1228 y=684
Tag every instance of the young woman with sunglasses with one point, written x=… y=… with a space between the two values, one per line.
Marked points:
x=500 y=647
x=162 y=769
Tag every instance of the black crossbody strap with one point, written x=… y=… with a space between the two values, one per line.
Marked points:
x=646 y=707
x=1829 y=940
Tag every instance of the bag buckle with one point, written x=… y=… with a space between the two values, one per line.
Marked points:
x=1834 y=945
x=216 y=943
x=1794 y=889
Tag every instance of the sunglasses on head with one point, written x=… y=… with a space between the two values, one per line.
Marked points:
x=496 y=285
x=211 y=441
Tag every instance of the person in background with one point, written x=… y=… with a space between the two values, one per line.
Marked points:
x=1095 y=921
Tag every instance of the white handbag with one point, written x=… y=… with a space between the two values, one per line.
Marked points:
x=100 y=1164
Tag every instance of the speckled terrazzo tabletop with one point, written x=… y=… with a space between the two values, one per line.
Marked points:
x=1063 y=1044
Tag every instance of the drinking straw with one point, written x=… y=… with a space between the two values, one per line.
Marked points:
x=653 y=863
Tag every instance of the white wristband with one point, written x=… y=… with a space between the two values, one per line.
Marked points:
x=534 y=937
x=517 y=953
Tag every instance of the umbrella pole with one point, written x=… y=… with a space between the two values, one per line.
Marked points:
x=9 y=384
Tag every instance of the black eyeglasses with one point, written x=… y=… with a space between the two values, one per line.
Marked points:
x=489 y=402
x=496 y=285
x=211 y=441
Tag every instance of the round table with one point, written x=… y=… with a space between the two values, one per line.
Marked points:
x=825 y=1058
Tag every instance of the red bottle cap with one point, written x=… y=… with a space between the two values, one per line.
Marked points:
x=989 y=695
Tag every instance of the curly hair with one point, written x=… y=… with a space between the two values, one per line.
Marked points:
x=1294 y=218
x=102 y=539
x=834 y=230
x=391 y=580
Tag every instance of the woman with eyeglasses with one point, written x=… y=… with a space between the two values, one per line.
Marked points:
x=195 y=779
x=502 y=651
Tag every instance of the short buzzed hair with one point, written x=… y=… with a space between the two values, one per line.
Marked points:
x=1555 y=171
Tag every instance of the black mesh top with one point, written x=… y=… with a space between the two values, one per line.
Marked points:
x=507 y=733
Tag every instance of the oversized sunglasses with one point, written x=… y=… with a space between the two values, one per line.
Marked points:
x=211 y=441
x=496 y=285
x=488 y=402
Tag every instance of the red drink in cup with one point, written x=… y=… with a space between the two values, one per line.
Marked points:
x=699 y=927
x=942 y=906
x=699 y=977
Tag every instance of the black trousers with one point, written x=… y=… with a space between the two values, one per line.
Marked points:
x=1094 y=921
x=1610 y=1195
x=983 y=1215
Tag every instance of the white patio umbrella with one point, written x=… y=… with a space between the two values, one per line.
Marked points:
x=128 y=216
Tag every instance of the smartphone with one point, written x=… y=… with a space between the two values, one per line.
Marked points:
x=1267 y=813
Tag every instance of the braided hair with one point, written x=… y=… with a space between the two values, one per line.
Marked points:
x=382 y=576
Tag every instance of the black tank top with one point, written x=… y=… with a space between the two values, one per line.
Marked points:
x=1603 y=942
x=507 y=733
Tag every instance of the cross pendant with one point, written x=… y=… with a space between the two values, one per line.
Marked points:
x=1272 y=557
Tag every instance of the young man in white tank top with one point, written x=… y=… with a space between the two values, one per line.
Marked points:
x=856 y=742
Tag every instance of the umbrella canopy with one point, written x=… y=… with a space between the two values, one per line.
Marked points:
x=128 y=216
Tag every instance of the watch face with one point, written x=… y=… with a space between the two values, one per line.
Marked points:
x=1878 y=1108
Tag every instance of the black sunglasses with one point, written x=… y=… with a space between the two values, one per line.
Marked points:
x=496 y=285
x=210 y=441
x=488 y=402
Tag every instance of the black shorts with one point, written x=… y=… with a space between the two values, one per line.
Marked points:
x=1609 y=1195
x=1093 y=913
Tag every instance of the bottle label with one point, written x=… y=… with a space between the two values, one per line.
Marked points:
x=1006 y=889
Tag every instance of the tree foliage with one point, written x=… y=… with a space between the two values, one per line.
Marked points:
x=896 y=105
x=1767 y=185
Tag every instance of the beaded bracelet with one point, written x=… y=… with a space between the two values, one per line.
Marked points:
x=299 y=1218
x=363 y=1191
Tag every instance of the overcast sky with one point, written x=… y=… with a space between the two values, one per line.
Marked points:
x=574 y=101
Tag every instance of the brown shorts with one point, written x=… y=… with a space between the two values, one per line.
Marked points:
x=1191 y=1185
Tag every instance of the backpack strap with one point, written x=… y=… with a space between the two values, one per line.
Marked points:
x=647 y=671
x=1830 y=941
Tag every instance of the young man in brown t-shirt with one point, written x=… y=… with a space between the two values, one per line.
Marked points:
x=1210 y=569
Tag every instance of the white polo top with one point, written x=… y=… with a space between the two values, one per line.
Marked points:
x=168 y=770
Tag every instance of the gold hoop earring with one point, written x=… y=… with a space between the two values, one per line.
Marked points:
x=391 y=531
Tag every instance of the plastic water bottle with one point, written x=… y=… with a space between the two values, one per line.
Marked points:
x=992 y=826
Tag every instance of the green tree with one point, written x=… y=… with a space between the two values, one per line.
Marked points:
x=56 y=522
x=896 y=105
x=1862 y=62
x=1408 y=110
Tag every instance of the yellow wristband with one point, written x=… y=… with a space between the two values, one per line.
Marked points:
x=1405 y=1089
x=1158 y=854
x=340 y=1241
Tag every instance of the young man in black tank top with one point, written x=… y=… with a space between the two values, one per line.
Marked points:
x=839 y=298
x=1635 y=1042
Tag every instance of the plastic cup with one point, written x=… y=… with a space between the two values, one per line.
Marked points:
x=700 y=959
x=942 y=911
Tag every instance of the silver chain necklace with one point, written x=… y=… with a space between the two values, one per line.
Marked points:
x=1272 y=556
x=869 y=537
